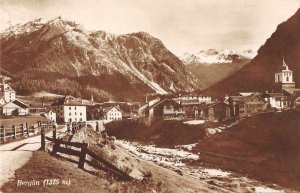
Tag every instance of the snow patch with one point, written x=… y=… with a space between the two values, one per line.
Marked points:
x=151 y=84
x=267 y=190
x=162 y=156
x=46 y=94
x=215 y=173
x=194 y=122
x=188 y=146
x=213 y=56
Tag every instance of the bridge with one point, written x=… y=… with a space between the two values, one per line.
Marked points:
x=93 y=124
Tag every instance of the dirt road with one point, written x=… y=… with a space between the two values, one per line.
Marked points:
x=15 y=154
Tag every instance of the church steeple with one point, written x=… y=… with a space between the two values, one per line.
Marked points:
x=285 y=77
x=284 y=65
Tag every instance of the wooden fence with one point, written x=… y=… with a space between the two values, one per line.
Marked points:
x=82 y=152
x=23 y=130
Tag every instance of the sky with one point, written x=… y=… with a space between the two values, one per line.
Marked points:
x=182 y=25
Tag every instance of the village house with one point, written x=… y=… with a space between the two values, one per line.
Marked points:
x=7 y=93
x=142 y=109
x=69 y=109
x=37 y=109
x=200 y=98
x=15 y=108
x=216 y=111
x=164 y=109
x=112 y=113
x=278 y=100
x=9 y=105
x=192 y=107
x=297 y=101
x=50 y=114
x=242 y=106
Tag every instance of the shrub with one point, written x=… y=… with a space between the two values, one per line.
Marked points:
x=113 y=146
x=148 y=174
x=113 y=159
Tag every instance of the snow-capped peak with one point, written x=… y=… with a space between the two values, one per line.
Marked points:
x=28 y=27
x=213 y=56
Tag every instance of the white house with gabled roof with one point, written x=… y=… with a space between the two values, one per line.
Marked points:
x=112 y=113
x=70 y=109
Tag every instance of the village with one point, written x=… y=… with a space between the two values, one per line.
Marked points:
x=188 y=106
x=105 y=124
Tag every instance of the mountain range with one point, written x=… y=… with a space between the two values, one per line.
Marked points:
x=62 y=53
x=258 y=75
x=221 y=63
x=62 y=57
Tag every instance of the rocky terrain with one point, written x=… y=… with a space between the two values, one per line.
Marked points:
x=61 y=53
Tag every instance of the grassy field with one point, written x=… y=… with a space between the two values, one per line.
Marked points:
x=30 y=119
x=44 y=166
x=265 y=147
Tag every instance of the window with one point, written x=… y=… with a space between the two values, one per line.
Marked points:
x=69 y=114
x=75 y=113
x=69 y=108
x=287 y=78
x=75 y=108
x=80 y=114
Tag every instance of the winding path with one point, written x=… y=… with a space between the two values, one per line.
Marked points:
x=16 y=154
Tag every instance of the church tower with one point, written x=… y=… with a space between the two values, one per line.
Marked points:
x=285 y=77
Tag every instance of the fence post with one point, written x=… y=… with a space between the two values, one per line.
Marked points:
x=83 y=155
x=97 y=127
x=23 y=130
x=73 y=128
x=39 y=126
x=27 y=127
x=33 y=129
x=54 y=132
x=56 y=146
x=68 y=128
x=43 y=139
x=15 y=131
x=3 y=128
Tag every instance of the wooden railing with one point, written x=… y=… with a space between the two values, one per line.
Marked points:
x=22 y=130
x=66 y=147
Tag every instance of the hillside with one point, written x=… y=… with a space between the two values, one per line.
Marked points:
x=61 y=56
x=265 y=147
x=220 y=63
x=258 y=75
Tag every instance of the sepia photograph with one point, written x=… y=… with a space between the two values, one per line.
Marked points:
x=150 y=96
